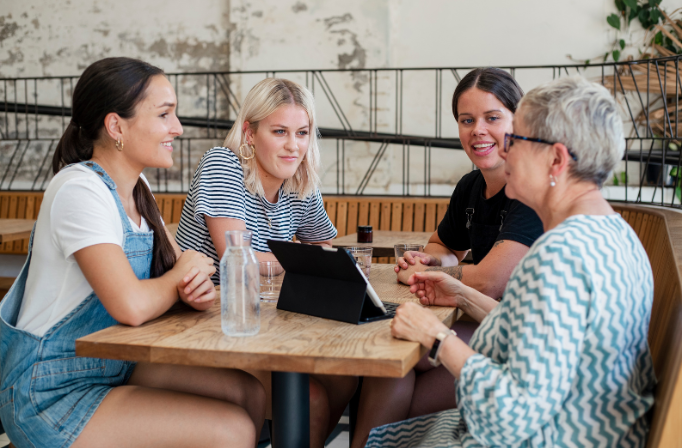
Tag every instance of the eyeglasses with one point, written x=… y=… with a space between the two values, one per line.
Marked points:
x=509 y=142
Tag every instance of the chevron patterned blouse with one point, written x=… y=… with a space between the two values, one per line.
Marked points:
x=563 y=360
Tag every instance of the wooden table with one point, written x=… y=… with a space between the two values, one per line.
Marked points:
x=384 y=240
x=289 y=344
x=15 y=229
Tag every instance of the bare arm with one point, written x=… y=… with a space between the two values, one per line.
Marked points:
x=435 y=254
x=438 y=289
x=132 y=301
x=491 y=275
x=217 y=228
x=327 y=243
x=442 y=254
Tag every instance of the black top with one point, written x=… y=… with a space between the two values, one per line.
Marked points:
x=494 y=219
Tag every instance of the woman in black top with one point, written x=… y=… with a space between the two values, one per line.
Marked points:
x=480 y=218
x=498 y=231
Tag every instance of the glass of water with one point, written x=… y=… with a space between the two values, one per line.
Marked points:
x=363 y=256
x=400 y=249
x=271 y=277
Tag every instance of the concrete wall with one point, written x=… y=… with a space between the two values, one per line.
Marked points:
x=294 y=34
x=37 y=39
x=62 y=37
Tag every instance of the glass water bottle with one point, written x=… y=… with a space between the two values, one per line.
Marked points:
x=239 y=286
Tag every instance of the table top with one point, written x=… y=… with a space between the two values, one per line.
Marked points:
x=15 y=229
x=384 y=240
x=289 y=342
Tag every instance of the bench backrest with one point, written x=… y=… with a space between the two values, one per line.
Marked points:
x=385 y=213
x=660 y=232
x=18 y=205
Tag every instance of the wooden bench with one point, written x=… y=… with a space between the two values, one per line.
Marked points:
x=18 y=205
x=659 y=229
x=402 y=214
x=660 y=232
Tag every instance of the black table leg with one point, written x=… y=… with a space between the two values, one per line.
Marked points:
x=290 y=410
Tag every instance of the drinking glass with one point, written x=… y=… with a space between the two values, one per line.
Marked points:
x=363 y=256
x=271 y=277
x=400 y=249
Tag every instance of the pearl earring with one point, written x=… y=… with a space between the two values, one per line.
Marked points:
x=552 y=181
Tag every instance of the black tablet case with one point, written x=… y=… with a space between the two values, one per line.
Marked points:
x=323 y=282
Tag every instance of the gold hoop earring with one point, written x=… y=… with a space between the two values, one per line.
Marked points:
x=119 y=145
x=253 y=151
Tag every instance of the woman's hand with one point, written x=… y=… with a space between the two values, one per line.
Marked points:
x=415 y=323
x=439 y=289
x=409 y=258
x=405 y=274
x=196 y=288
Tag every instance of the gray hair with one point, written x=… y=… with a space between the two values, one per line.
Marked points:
x=583 y=116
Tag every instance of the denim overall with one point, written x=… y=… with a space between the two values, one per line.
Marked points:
x=47 y=393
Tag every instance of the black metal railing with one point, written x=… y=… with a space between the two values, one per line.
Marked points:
x=377 y=115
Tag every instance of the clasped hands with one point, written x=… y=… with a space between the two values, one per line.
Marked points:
x=196 y=287
x=412 y=262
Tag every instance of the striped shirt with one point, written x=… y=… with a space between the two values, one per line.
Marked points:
x=218 y=191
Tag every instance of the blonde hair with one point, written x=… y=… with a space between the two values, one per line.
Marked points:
x=262 y=100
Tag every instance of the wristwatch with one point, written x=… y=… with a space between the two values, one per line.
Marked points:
x=437 y=344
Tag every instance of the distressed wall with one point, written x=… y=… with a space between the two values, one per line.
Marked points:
x=241 y=35
x=294 y=34
x=65 y=36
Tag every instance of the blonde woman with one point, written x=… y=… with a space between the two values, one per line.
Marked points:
x=265 y=179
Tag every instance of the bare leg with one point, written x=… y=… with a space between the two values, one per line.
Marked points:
x=434 y=389
x=338 y=390
x=169 y=406
x=329 y=395
x=382 y=401
x=233 y=386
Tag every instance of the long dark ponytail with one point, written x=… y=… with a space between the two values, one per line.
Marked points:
x=113 y=85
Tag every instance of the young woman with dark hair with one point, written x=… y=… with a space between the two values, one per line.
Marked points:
x=481 y=219
x=100 y=255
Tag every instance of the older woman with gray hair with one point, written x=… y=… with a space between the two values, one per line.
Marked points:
x=563 y=359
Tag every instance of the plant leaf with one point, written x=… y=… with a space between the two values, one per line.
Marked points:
x=633 y=13
x=655 y=15
x=624 y=177
x=658 y=38
x=616 y=55
x=614 y=21
x=620 y=5
x=587 y=62
x=644 y=19
x=632 y=4
x=622 y=44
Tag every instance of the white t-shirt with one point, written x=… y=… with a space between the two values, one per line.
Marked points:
x=78 y=210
